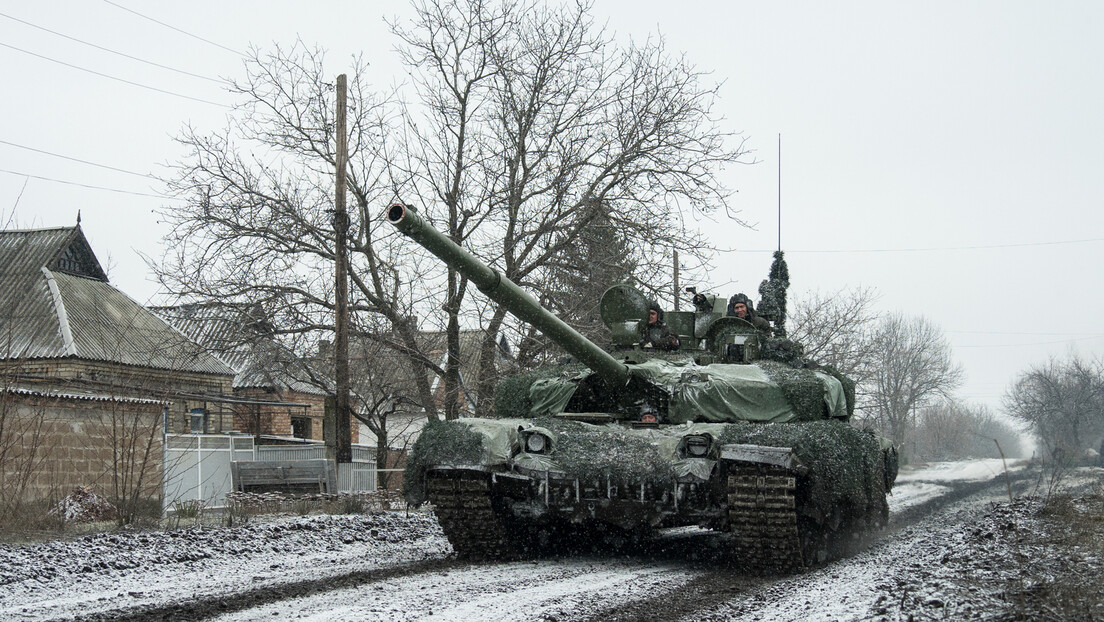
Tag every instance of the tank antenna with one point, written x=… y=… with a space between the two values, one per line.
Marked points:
x=780 y=191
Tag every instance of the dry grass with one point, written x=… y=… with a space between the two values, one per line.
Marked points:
x=1064 y=575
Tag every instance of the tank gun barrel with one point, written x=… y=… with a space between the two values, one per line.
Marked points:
x=508 y=294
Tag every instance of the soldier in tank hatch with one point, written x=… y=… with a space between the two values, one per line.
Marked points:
x=656 y=333
x=740 y=306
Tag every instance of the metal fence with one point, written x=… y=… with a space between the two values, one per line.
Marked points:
x=197 y=466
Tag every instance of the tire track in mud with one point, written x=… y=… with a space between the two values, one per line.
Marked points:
x=205 y=607
x=697 y=594
x=712 y=581
x=718 y=586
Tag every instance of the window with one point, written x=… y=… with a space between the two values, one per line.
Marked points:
x=197 y=421
x=301 y=427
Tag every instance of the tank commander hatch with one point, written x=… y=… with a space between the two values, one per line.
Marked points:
x=655 y=333
x=740 y=306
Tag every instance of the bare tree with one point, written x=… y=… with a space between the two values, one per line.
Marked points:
x=532 y=122
x=953 y=430
x=257 y=223
x=1061 y=401
x=523 y=124
x=838 y=329
x=23 y=449
x=912 y=367
x=382 y=391
x=133 y=436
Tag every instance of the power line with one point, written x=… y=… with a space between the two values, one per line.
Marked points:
x=73 y=183
x=919 y=250
x=58 y=155
x=171 y=27
x=104 y=75
x=995 y=332
x=1038 y=343
x=123 y=54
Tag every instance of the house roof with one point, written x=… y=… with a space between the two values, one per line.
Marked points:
x=55 y=302
x=239 y=335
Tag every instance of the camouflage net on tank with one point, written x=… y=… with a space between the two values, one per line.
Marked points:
x=843 y=461
x=594 y=453
x=782 y=350
x=512 y=393
x=803 y=390
x=848 y=386
x=440 y=443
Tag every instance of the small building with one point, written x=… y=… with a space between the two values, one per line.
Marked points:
x=90 y=376
x=277 y=394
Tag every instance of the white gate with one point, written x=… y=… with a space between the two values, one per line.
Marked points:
x=197 y=466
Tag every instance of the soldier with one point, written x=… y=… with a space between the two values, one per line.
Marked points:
x=740 y=306
x=656 y=333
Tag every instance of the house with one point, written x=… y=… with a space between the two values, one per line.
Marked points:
x=91 y=379
x=278 y=394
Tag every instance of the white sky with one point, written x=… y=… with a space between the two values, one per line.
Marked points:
x=947 y=154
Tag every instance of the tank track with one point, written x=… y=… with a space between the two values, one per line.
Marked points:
x=770 y=535
x=762 y=516
x=467 y=514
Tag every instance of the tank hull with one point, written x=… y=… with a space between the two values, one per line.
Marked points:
x=777 y=490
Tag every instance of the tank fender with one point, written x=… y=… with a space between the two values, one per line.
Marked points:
x=759 y=454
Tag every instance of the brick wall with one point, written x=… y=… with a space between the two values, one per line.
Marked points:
x=276 y=420
x=57 y=444
x=140 y=382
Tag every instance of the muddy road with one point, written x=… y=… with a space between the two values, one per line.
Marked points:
x=400 y=567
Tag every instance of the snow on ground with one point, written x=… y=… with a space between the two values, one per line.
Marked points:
x=963 y=471
x=514 y=591
x=398 y=566
x=105 y=571
x=917 y=484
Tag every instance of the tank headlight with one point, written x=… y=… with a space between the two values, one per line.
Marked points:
x=696 y=445
x=537 y=443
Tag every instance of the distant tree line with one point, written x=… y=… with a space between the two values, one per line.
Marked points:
x=905 y=376
x=1062 y=402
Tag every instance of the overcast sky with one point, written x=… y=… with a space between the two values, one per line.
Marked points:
x=948 y=154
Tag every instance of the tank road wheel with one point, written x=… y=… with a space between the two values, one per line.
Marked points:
x=762 y=515
x=475 y=525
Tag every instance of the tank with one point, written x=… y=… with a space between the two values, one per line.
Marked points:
x=733 y=431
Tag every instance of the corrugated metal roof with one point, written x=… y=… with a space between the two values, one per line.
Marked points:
x=47 y=313
x=37 y=391
x=237 y=334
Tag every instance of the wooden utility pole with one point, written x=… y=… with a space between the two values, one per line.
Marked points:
x=343 y=451
x=675 y=253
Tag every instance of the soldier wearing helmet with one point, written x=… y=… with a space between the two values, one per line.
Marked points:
x=655 y=333
x=740 y=306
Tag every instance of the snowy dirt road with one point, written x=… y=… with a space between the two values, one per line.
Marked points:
x=395 y=566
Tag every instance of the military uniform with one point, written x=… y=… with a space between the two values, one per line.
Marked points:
x=762 y=325
x=658 y=334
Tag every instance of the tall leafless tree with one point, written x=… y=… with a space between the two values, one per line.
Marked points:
x=912 y=367
x=257 y=225
x=531 y=121
x=1062 y=401
x=520 y=124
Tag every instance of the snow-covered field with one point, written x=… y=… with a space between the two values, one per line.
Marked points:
x=920 y=484
x=398 y=566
